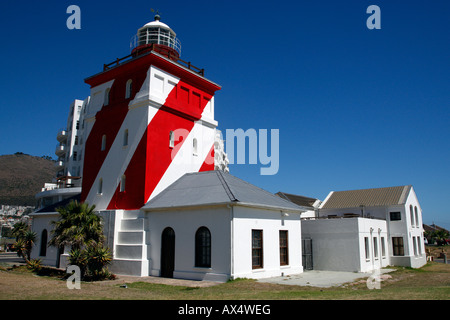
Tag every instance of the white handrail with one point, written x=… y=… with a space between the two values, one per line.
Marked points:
x=157 y=37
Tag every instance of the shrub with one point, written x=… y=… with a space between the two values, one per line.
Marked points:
x=34 y=265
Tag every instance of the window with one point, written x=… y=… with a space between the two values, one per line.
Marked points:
x=415 y=245
x=122 y=183
x=366 y=246
x=103 y=143
x=383 y=248
x=419 y=245
x=417 y=217
x=76 y=140
x=43 y=251
x=75 y=156
x=257 y=249
x=107 y=96
x=194 y=146
x=171 y=139
x=397 y=246
x=128 y=89
x=100 y=186
x=125 y=138
x=412 y=215
x=395 y=216
x=284 y=252
x=375 y=247
x=203 y=248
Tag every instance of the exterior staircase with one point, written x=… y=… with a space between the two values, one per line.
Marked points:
x=130 y=250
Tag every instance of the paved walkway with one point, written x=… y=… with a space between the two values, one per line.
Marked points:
x=324 y=279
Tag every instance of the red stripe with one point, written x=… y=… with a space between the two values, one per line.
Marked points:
x=107 y=122
x=133 y=196
x=208 y=164
x=154 y=155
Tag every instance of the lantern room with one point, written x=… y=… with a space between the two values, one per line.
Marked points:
x=156 y=36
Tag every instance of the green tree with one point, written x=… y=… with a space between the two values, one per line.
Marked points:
x=441 y=236
x=77 y=226
x=80 y=228
x=25 y=240
x=19 y=229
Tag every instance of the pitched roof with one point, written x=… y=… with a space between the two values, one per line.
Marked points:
x=297 y=199
x=432 y=227
x=216 y=187
x=367 y=197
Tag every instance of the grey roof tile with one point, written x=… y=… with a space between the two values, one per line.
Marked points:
x=216 y=187
x=367 y=197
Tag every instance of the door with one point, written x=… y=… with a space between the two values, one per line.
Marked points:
x=307 y=254
x=167 y=253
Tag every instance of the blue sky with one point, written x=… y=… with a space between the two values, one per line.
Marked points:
x=356 y=108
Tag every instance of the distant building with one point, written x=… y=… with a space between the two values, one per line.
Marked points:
x=363 y=230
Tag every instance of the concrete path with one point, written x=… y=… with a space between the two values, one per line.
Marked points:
x=323 y=279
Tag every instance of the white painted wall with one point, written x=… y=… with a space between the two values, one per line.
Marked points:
x=411 y=232
x=338 y=244
x=271 y=222
x=231 y=231
x=185 y=223
x=40 y=222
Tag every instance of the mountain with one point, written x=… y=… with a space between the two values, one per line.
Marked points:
x=22 y=176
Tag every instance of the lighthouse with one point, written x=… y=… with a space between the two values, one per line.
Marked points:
x=149 y=121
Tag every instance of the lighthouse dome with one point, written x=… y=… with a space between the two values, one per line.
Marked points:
x=156 y=36
x=158 y=24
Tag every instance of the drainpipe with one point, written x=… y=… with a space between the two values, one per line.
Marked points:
x=371 y=245
x=380 y=253
x=231 y=241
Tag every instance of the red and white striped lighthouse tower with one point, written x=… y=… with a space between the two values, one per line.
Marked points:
x=150 y=119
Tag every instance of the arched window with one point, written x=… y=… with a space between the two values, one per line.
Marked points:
x=100 y=186
x=194 y=146
x=417 y=216
x=128 y=89
x=43 y=251
x=203 y=248
x=412 y=215
x=171 y=139
x=122 y=183
x=107 y=96
x=125 y=138
x=103 y=143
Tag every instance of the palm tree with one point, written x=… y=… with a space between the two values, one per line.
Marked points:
x=24 y=244
x=81 y=228
x=77 y=227
x=19 y=229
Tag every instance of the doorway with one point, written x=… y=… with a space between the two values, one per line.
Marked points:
x=307 y=254
x=167 y=253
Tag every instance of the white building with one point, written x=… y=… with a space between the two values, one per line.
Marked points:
x=363 y=230
x=69 y=163
x=209 y=226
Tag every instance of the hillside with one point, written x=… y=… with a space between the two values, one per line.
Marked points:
x=22 y=176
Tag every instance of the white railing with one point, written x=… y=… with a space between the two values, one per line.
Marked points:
x=160 y=36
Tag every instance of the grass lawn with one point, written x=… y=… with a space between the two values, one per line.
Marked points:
x=431 y=282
